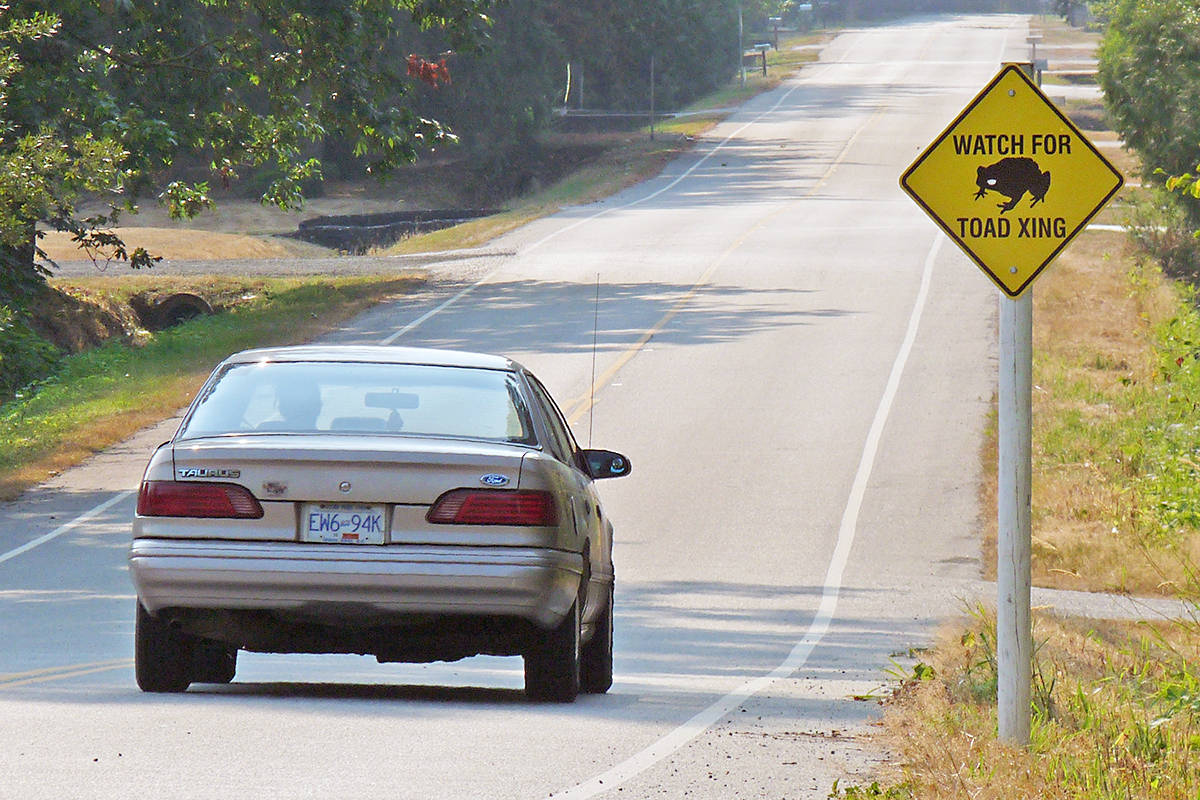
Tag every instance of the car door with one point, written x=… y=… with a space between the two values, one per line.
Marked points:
x=585 y=501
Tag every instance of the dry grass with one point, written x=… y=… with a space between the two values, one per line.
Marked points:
x=626 y=164
x=182 y=243
x=1113 y=717
x=1088 y=327
x=1094 y=339
x=1056 y=33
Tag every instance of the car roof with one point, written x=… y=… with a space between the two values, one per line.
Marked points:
x=375 y=354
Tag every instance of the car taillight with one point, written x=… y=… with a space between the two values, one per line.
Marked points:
x=207 y=500
x=494 y=507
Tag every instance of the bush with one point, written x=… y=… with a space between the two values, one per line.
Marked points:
x=24 y=356
x=1150 y=72
x=1164 y=230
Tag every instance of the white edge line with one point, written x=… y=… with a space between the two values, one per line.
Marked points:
x=60 y=530
x=673 y=741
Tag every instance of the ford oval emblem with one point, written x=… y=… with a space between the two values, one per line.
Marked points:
x=494 y=479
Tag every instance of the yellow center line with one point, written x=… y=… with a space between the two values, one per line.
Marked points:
x=586 y=403
x=58 y=673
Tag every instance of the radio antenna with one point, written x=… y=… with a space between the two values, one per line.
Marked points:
x=595 y=337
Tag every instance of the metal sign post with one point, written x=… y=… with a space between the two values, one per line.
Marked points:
x=1011 y=181
x=1014 y=625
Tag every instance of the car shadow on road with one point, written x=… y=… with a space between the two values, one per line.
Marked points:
x=421 y=693
x=680 y=646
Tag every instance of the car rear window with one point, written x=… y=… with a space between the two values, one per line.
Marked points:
x=358 y=398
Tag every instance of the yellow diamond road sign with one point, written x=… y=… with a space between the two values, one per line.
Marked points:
x=1011 y=180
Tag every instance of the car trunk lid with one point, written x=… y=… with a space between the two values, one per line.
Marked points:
x=349 y=469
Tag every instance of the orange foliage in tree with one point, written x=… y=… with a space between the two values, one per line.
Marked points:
x=430 y=72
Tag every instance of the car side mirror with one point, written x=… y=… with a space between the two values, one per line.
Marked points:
x=605 y=464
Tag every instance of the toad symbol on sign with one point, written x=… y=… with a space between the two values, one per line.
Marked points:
x=1013 y=177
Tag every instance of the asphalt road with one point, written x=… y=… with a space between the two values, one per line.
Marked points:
x=800 y=372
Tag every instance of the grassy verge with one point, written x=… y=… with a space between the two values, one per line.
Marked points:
x=1116 y=713
x=1118 y=497
x=184 y=244
x=101 y=396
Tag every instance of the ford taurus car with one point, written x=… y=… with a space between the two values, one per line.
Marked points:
x=415 y=505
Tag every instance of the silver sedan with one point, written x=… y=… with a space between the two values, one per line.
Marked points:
x=415 y=505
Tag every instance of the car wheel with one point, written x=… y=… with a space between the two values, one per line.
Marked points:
x=162 y=657
x=596 y=657
x=552 y=664
x=213 y=662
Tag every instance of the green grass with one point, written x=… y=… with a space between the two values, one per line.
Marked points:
x=99 y=396
x=1159 y=442
x=1144 y=438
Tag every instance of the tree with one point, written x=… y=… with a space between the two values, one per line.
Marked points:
x=503 y=96
x=694 y=44
x=104 y=97
x=1150 y=72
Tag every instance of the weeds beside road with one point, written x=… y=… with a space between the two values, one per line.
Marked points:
x=1115 y=716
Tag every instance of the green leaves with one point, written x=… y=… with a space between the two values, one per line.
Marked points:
x=106 y=97
x=1150 y=72
x=35 y=26
x=24 y=356
x=184 y=200
x=1187 y=183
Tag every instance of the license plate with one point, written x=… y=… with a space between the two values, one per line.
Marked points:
x=342 y=523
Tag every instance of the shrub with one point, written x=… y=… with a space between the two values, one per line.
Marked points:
x=24 y=356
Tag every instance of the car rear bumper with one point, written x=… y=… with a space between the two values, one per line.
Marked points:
x=535 y=584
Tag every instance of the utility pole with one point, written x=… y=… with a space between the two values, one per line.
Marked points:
x=741 y=47
x=651 y=97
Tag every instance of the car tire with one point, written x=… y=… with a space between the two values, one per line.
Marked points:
x=552 y=663
x=162 y=657
x=213 y=662
x=596 y=657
